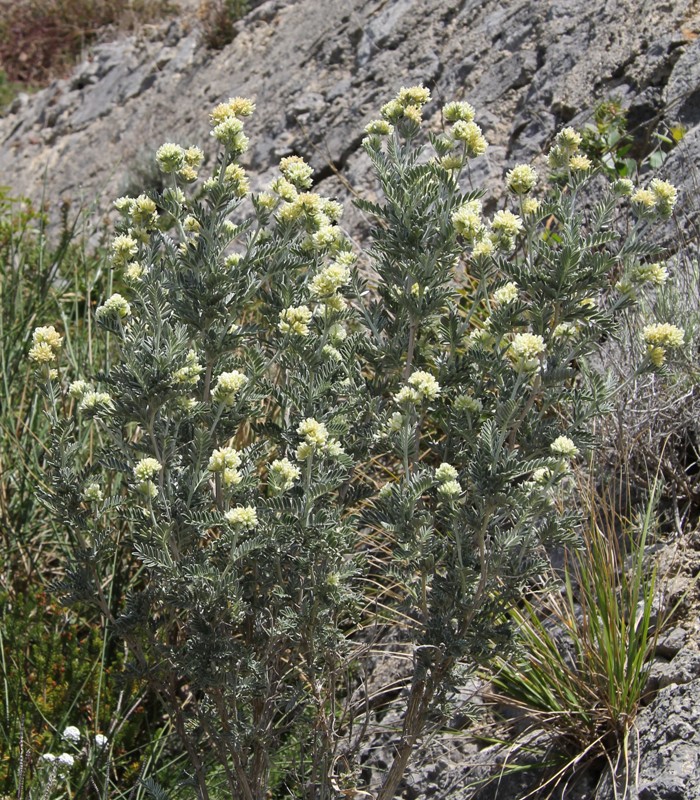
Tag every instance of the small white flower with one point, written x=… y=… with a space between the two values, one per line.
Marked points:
x=66 y=760
x=71 y=734
x=101 y=740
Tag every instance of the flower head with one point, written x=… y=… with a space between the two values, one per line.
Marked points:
x=469 y=133
x=242 y=517
x=283 y=474
x=65 y=760
x=92 y=494
x=458 y=111
x=95 y=403
x=521 y=179
x=446 y=472
x=115 y=307
x=296 y=171
x=526 y=349
x=666 y=196
x=228 y=386
x=663 y=334
x=379 y=127
x=467 y=220
x=170 y=157
x=656 y=274
x=314 y=432
x=329 y=280
x=579 y=163
x=124 y=248
x=234 y=107
x=146 y=469
x=189 y=374
x=224 y=458
x=71 y=734
x=506 y=294
x=450 y=489
x=295 y=320
x=563 y=446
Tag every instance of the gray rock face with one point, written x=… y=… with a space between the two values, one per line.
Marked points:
x=665 y=748
x=320 y=69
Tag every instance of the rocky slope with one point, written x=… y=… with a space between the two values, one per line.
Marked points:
x=318 y=71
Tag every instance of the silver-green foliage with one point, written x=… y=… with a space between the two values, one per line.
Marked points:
x=266 y=383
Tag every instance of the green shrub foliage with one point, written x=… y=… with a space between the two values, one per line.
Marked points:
x=298 y=436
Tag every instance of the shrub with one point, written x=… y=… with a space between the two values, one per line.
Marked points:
x=288 y=444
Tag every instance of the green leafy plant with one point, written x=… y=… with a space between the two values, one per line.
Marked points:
x=285 y=444
x=624 y=153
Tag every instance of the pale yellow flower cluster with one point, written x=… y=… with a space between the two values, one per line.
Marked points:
x=565 y=152
x=115 y=307
x=283 y=474
x=508 y=293
x=466 y=404
x=242 y=517
x=314 y=432
x=505 y=226
x=525 y=350
x=93 y=493
x=78 y=389
x=659 y=199
x=173 y=158
x=228 y=386
x=564 y=446
x=295 y=320
x=469 y=134
x=237 y=180
x=296 y=171
x=95 y=402
x=458 y=111
x=580 y=163
x=124 y=248
x=189 y=374
x=467 y=221
x=663 y=334
x=170 y=157
x=446 y=472
x=656 y=274
x=317 y=214
x=144 y=472
x=226 y=460
x=421 y=386
x=407 y=105
x=659 y=337
x=521 y=179
x=530 y=205
x=228 y=128
x=379 y=127
x=316 y=439
x=450 y=487
x=46 y=342
x=331 y=278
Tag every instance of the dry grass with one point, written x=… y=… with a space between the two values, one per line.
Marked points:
x=41 y=39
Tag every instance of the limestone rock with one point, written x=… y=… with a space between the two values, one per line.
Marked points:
x=320 y=69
